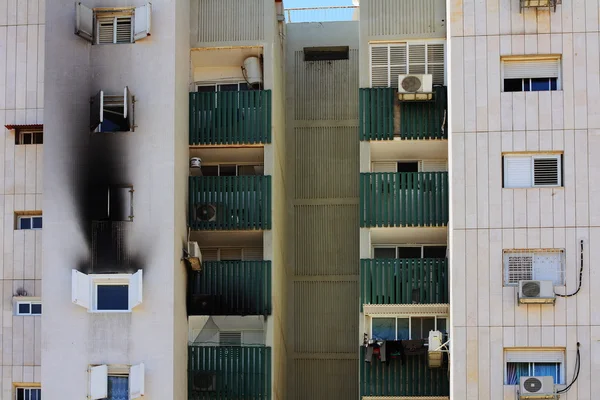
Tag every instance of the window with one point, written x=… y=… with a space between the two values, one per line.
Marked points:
x=28 y=393
x=410 y=166
x=419 y=251
x=112 y=25
x=112 y=113
x=29 y=221
x=29 y=137
x=531 y=264
x=406 y=328
x=117 y=382
x=390 y=60
x=107 y=292
x=542 y=362
x=222 y=87
x=232 y=170
x=531 y=74
x=113 y=203
x=28 y=307
x=232 y=254
x=532 y=170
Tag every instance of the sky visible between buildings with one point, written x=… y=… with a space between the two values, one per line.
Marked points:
x=318 y=15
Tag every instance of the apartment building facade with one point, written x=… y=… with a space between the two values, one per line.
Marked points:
x=523 y=223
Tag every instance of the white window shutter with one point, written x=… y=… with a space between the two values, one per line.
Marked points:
x=128 y=107
x=97 y=110
x=99 y=382
x=384 y=166
x=540 y=356
x=135 y=289
x=435 y=62
x=80 y=289
x=433 y=166
x=142 y=21
x=84 y=22
x=379 y=66
x=106 y=30
x=546 y=171
x=517 y=172
x=136 y=381
x=397 y=63
x=417 y=59
x=531 y=68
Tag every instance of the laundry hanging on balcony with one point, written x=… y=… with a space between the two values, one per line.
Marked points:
x=386 y=350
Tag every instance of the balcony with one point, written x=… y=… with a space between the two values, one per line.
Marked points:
x=383 y=117
x=396 y=378
x=403 y=199
x=230 y=118
x=404 y=281
x=229 y=372
x=229 y=202
x=231 y=288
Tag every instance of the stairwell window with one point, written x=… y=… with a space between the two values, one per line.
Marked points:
x=532 y=170
x=534 y=264
x=531 y=73
x=539 y=362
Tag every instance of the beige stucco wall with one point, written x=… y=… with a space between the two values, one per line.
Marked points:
x=154 y=161
x=22 y=32
x=487 y=218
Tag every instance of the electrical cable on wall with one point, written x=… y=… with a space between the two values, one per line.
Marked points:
x=580 y=275
x=575 y=374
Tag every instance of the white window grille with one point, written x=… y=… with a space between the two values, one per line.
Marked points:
x=534 y=264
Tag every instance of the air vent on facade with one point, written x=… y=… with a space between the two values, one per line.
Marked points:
x=546 y=171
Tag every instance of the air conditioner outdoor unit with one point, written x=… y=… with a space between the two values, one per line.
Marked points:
x=415 y=83
x=206 y=212
x=537 y=387
x=205 y=382
x=435 y=356
x=194 y=256
x=536 y=292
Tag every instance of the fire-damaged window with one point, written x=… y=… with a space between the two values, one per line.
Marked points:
x=112 y=113
x=113 y=25
x=112 y=203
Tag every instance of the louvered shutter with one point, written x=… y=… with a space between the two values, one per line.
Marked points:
x=379 y=66
x=531 y=68
x=417 y=59
x=539 y=356
x=517 y=171
x=397 y=63
x=210 y=254
x=384 y=167
x=105 y=30
x=253 y=254
x=435 y=62
x=123 y=27
x=228 y=254
x=546 y=171
x=517 y=267
x=230 y=338
x=433 y=166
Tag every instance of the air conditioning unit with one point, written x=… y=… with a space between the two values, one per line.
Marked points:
x=204 y=382
x=194 y=256
x=206 y=213
x=536 y=292
x=537 y=387
x=413 y=84
x=435 y=356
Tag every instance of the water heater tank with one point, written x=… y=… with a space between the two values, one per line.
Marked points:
x=252 y=70
x=195 y=162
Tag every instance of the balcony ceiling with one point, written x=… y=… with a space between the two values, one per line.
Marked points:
x=408 y=150
x=222 y=57
x=380 y=236
x=232 y=155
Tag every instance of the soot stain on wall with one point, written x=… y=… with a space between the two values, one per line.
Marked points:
x=101 y=164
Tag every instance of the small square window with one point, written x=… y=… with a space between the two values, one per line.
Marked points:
x=27 y=307
x=112 y=297
x=25 y=221
x=36 y=309
x=28 y=393
x=24 y=308
x=531 y=73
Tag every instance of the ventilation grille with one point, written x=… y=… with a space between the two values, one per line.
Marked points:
x=520 y=268
x=114 y=30
x=123 y=29
x=389 y=61
x=545 y=171
x=230 y=338
x=105 y=30
x=533 y=264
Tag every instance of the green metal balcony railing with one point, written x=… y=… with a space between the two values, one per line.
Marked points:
x=229 y=202
x=416 y=119
x=229 y=372
x=403 y=199
x=242 y=117
x=230 y=288
x=397 y=377
x=404 y=281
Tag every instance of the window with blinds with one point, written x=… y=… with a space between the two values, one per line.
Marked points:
x=532 y=170
x=525 y=74
x=533 y=264
x=230 y=338
x=539 y=362
x=390 y=60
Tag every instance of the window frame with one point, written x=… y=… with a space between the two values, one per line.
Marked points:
x=540 y=351
x=533 y=157
x=20 y=133
x=507 y=252
x=208 y=250
x=21 y=215
x=84 y=289
x=115 y=15
x=396 y=246
x=18 y=303
x=410 y=317
x=538 y=57
x=408 y=43
x=27 y=387
x=237 y=168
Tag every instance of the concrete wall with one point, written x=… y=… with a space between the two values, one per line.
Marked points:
x=485 y=218
x=22 y=32
x=323 y=152
x=152 y=159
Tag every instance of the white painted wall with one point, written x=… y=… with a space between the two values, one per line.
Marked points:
x=485 y=218
x=22 y=32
